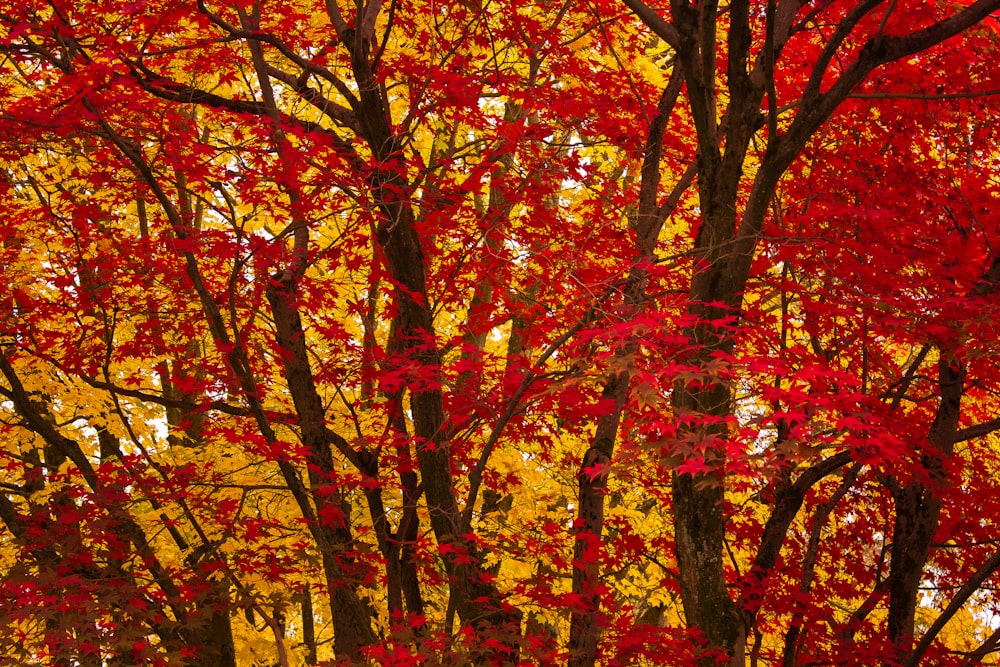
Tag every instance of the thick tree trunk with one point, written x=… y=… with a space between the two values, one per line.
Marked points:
x=918 y=510
x=702 y=409
x=699 y=524
x=214 y=641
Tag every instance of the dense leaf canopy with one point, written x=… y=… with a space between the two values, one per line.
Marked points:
x=502 y=332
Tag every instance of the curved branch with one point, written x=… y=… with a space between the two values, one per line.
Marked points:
x=663 y=29
x=961 y=597
x=786 y=507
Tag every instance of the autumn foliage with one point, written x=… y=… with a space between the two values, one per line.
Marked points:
x=512 y=333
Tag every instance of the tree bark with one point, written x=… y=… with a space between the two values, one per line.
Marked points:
x=350 y=616
x=594 y=470
x=918 y=509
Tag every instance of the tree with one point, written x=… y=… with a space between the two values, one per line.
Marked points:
x=498 y=332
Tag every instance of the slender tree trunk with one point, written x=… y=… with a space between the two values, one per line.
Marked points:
x=308 y=626
x=593 y=481
x=647 y=221
x=351 y=617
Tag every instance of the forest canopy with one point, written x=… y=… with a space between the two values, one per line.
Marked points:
x=500 y=332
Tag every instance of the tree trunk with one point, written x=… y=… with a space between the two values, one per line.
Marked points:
x=699 y=525
x=351 y=617
x=917 y=512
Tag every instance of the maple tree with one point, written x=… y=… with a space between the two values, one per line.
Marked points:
x=499 y=333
